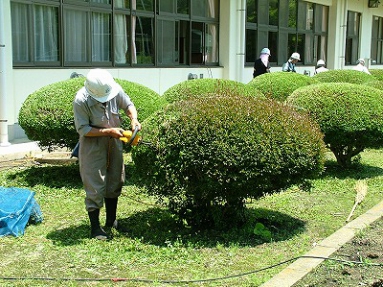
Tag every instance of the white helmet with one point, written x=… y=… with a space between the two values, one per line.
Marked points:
x=266 y=51
x=361 y=61
x=100 y=85
x=321 y=63
x=296 y=56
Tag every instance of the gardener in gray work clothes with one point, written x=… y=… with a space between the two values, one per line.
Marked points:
x=96 y=114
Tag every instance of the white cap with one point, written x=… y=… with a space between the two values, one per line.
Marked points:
x=100 y=85
x=296 y=56
x=361 y=61
x=321 y=63
x=266 y=51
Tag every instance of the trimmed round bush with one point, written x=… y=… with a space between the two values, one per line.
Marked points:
x=208 y=154
x=343 y=76
x=377 y=73
x=350 y=116
x=377 y=84
x=279 y=85
x=47 y=114
x=208 y=87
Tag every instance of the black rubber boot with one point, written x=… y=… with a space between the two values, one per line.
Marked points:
x=96 y=230
x=111 y=212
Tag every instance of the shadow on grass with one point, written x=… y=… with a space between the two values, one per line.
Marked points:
x=158 y=227
x=54 y=176
x=355 y=171
x=73 y=235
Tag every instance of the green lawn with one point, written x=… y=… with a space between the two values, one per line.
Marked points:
x=155 y=250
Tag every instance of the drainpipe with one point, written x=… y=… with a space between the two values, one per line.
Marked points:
x=343 y=29
x=3 y=82
x=241 y=40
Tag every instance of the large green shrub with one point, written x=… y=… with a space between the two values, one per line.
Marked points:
x=350 y=116
x=47 y=114
x=343 y=76
x=279 y=85
x=207 y=87
x=377 y=73
x=377 y=84
x=208 y=154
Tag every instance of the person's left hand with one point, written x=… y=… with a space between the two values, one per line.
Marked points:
x=135 y=123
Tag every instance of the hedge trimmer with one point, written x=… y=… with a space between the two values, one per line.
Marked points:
x=131 y=138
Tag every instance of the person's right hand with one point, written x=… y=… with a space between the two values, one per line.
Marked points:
x=114 y=132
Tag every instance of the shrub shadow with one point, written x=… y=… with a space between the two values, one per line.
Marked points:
x=159 y=227
x=70 y=236
x=355 y=171
x=55 y=176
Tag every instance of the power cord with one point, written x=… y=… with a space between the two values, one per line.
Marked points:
x=142 y=280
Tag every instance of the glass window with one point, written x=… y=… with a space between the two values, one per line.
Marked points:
x=197 y=45
x=352 y=38
x=183 y=6
x=93 y=33
x=167 y=42
x=144 y=5
x=101 y=1
x=211 y=43
x=76 y=32
x=143 y=49
x=205 y=8
x=121 y=39
x=305 y=16
x=321 y=18
x=251 y=45
x=251 y=11
x=273 y=46
x=20 y=33
x=286 y=26
x=121 y=3
x=101 y=37
x=46 y=34
x=377 y=41
x=41 y=39
x=292 y=13
x=273 y=12
x=167 y=6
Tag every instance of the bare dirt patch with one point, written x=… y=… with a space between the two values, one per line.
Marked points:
x=366 y=247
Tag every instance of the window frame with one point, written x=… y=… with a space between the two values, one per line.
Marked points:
x=88 y=7
x=284 y=31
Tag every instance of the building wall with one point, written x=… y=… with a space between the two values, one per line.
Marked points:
x=17 y=84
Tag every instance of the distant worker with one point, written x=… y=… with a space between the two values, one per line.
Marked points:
x=289 y=66
x=262 y=64
x=361 y=66
x=321 y=67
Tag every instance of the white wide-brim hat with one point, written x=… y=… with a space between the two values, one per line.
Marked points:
x=100 y=85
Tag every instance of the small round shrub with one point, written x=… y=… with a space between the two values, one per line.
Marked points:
x=208 y=154
x=350 y=116
x=47 y=114
x=343 y=76
x=377 y=84
x=145 y=99
x=377 y=73
x=279 y=85
x=208 y=87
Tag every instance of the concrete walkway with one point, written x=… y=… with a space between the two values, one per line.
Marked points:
x=292 y=273
x=19 y=150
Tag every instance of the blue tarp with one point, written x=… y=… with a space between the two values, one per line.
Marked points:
x=18 y=207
